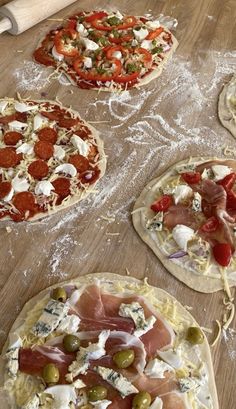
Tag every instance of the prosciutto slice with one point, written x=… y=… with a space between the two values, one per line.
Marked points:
x=180 y=214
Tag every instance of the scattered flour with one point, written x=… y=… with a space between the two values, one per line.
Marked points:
x=31 y=76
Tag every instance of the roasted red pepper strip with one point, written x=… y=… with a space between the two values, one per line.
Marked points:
x=155 y=33
x=61 y=44
x=191 y=177
x=146 y=55
x=92 y=75
x=123 y=39
x=162 y=204
x=96 y=16
x=210 y=225
x=222 y=253
x=128 y=22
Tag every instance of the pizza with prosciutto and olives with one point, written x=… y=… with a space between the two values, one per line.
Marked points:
x=107 y=51
x=188 y=218
x=49 y=158
x=106 y=341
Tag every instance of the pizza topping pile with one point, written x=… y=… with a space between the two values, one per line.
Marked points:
x=201 y=205
x=99 y=49
x=94 y=349
x=47 y=156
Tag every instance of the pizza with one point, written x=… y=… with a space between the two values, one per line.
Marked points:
x=227 y=106
x=187 y=217
x=49 y=158
x=106 y=341
x=107 y=51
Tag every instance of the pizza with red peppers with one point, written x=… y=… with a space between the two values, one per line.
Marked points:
x=106 y=341
x=107 y=51
x=188 y=217
x=49 y=158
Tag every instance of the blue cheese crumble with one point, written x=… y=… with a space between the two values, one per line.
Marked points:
x=136 y=312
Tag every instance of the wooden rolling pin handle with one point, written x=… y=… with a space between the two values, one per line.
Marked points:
x=5 y=25
x=20 y=15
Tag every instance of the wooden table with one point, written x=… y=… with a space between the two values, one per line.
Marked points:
x=144 y=132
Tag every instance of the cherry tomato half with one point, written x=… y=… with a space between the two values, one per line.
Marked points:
x=228 y=181
x=162 y=204
x=210 y=225
x=191 y=177
x=222 y=253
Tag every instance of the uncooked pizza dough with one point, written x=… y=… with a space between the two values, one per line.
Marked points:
x=227 y=106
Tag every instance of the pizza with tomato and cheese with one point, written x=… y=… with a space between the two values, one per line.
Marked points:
x=107 y=51
x=188 y=218
x=49 y=158
x=106 y=341
x=227 y=106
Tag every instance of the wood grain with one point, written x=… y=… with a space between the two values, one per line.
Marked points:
x=173 y=118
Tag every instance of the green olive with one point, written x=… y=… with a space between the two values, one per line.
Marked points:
x=97 y=392
x=142 y=400
x=123 y=359
x=51 y=373
x=71 y=343
x=59 y=294
x=195 y=335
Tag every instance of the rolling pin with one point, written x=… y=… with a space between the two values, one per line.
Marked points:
x=20 y=15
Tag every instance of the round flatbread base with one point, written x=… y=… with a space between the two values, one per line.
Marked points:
x=225 y=115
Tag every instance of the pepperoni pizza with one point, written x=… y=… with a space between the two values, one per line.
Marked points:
x=188 y=217
x=106 y=341
x=107 y=50
x=49 y=158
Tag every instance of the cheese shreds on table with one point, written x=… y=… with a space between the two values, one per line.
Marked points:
x=103 y=312
x=107 y=51
x=50 y=158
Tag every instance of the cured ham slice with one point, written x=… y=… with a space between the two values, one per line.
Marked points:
x=180 y=214
x=157 y=387
x=159 y=337
x=173 y=400
x=90 y=308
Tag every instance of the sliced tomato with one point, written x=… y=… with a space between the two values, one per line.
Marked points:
x=155 y=33
x=210 y=225
x=92 y=75
x=122 y=39
x=162 y=204
x=98 y=15
x=64 y=42
x=228 y=181
x=191 y=177
x=222 y=253
x=42 y=56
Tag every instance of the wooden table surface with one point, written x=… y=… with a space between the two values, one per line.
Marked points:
x=144 y=131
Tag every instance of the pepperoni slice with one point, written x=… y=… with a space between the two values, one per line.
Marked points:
x=52 y=115
x=62 y=187
x=80 y=162
x=68 y=122
x=17 y=116
x=8 y=158
x=83 y=133
x=38 y=169
x=5 y=188
x=11 y=138
x=47 y=135
x=90 y=176
x=43 y=149
x=24 y=201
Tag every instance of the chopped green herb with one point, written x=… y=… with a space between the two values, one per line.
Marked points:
x=103 y=41
x=100 y=70
x=157 y=50
x=115 y=33
x=113 y=21
x=131 y=68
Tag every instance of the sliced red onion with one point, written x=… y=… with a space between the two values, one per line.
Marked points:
x=88 y=176
x=178 y=254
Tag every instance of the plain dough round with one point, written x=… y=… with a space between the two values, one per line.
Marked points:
x=107 y=278
x=226 y=117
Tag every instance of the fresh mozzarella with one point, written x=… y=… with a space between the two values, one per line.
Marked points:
x=117 y=54
x=156 y=369
x=220 y=171
x=172 y=358
x=147 y=44
x=89 y=44
x=62 y=395
x=140 y=34
x=117 y=14
x=153 y=24
x=56 y=55
x=182 y=234
x=59 y=153
x=117 y=380
x=134 y=43
x=79 y=144
x=101 y=404
x=44 y=187
x=157 y=403
x=39 y=121
x=81 y=29
x=67 y=169
x=78 y=384
x=88 y=63
x=69 y=324
x=17 y=125
x=20 y=184
x=3 y=105
x=182 y=192
x=22 y=107
x=25 y=148
x=9 y=196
